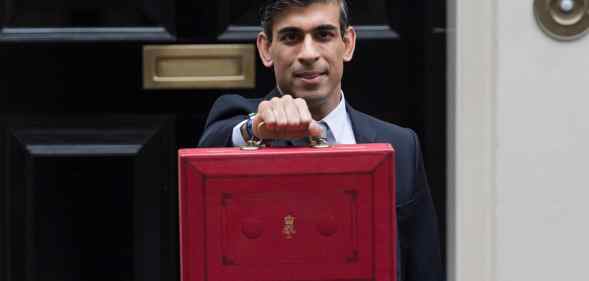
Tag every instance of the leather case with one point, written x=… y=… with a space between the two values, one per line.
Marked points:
x=287 y=213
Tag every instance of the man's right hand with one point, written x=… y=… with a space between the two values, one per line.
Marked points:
x=284 y=118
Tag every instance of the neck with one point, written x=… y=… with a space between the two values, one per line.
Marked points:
x=322 y=107
x=320 y=111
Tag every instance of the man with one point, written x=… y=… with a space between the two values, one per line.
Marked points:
x=307 y=43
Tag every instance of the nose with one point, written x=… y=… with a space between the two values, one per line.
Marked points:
x=309 y=53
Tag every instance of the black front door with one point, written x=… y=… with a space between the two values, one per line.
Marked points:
x=88 y=145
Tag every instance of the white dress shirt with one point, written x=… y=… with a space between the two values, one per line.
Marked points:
x=338 y=121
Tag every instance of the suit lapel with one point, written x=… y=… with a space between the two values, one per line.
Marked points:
x=364 y=131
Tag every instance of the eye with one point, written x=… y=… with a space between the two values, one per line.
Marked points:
x=289 y=37
x=325 y=35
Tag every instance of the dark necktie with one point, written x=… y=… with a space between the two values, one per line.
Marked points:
x=327 y=133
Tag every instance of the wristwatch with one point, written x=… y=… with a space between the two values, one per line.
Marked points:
x=247 y=131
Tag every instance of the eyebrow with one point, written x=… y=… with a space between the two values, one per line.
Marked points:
x=326 y=27
x=292 y=29
x=289 y=29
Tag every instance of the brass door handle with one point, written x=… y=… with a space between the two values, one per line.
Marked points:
x=563 y=20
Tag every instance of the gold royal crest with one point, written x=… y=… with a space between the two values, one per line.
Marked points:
x=289 y=227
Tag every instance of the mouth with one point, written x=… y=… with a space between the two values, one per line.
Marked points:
x=310 y=77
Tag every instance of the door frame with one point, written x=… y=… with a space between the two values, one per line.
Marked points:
x=472 y=139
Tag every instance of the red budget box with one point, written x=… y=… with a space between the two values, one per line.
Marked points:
x=287 y=213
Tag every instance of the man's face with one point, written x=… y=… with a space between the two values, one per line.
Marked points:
x=308 y=53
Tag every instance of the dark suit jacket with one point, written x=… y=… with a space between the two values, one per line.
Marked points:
x=418 y=255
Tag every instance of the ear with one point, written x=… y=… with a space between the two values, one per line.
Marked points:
x=349 y=43
x=264 y=49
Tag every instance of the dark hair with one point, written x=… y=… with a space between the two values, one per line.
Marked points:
x=273 y=8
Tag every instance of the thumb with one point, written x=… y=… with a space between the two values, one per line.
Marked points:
x=315 y=130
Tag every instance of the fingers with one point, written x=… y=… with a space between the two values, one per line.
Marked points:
x=279 y=113
x=315 y=130
x=266 y=115
x=293 y=118
x=284 y=118
x=304 y=114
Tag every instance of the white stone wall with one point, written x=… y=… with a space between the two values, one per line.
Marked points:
x=518 y=146
x=542 y=157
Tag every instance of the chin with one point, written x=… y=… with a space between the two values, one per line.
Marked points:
x=316 y=99
x=309 y=95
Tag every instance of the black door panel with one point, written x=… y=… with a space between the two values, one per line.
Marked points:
x=88 y=171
